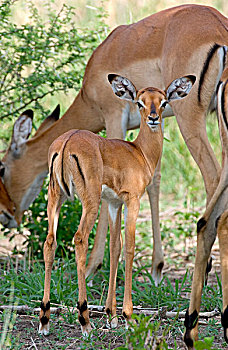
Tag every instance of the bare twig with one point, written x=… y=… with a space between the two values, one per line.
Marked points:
x=33 y=344
x=101 y=309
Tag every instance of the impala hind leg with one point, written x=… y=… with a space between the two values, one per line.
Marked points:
x=158 y=256
x=97 y=253
x=115 y=249
x=89 y=215
x=205 y=242
x=130 y=224
x=222 y=230
x=55 y=200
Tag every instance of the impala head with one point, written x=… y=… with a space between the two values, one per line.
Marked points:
x=151 y=101
x=16 y=168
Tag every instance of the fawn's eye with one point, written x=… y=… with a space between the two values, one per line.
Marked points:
x=163 y=103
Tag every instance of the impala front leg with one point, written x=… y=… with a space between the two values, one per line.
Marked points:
x=130 y=224
x=115 y=249
x=158 y=256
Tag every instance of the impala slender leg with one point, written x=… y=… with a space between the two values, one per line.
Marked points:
x=131 y=217
x=89 y=215
x=222 y=230
x=115 y=249
x=158 y=256
x=55 y=200
x=97 y=253
x=204 y=245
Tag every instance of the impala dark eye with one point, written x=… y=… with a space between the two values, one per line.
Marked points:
x=140 y=105
x=163 y=103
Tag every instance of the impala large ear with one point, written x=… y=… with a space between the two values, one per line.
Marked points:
x=179 y=88
x=21 y=131
x=122 y=87
x=51 y=119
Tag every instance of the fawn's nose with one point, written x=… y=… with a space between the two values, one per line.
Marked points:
x=153 y=120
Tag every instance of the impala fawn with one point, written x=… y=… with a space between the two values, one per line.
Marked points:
x=115 y=170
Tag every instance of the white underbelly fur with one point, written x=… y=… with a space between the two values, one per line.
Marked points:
x=113 y=200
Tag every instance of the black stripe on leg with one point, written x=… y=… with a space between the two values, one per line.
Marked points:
x=45 y=307
x=79 y=168
x=125 y=315
x=217 y=221
x=191 y=320
x=208 y=269
x=51 y=168
x=223 y=105
x=63 y=180
x=205 y=68
x=187 y=339
x=82 y=320
x=83 y=307
x=190 y=323
x=160 y=266
x=62 y=171
x=108 y=311
x=44 y=320
x=224 y=321
x=209 y=266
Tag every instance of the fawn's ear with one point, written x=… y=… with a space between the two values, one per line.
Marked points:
x=122 y=87
x=179 y=88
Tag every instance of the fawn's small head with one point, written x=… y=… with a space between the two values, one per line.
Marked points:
x=151 y=101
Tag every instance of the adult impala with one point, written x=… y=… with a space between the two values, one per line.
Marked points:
x=119 y=171
x=154 y=51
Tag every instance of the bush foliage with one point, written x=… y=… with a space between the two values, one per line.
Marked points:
x=39 y=59
x=42 y=57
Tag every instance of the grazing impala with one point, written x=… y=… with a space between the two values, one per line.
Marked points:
x=153 y=51
x=215 y=216
x=7 y=207
x=118 y=171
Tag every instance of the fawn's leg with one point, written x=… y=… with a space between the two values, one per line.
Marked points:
x=55 y=200
x=115 y=249
x=131 y=217
x=89 y=215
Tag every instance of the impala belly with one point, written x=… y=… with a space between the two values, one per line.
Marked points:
x=110 y=196
x=113 y=200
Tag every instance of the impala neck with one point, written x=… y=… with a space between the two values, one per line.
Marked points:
x=150 y=143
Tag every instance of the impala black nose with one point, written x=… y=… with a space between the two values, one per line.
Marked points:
x=153 y=119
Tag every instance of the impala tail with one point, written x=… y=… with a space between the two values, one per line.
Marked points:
x=64 y=166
